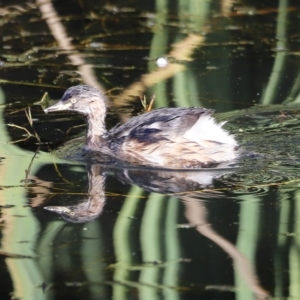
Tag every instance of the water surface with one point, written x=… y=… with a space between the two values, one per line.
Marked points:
x=111 y=231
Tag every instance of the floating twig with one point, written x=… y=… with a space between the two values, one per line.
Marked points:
x=29 y=117
x=27 y=171
x=29 y=135
x=147 y=107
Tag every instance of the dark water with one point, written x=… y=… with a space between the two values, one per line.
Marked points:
x=134 y=232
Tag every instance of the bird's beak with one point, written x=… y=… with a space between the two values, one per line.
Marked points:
x=58 y=107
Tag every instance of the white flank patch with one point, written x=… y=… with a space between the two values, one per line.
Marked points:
x=207 y=129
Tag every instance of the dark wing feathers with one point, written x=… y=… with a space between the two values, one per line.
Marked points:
x=159 y=124
x=146 y=135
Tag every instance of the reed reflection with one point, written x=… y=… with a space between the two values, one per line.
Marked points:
x=193 y=188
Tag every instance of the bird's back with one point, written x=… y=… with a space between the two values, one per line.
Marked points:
x=174 y=138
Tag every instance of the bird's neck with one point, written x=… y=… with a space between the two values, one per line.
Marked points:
x=96 y=132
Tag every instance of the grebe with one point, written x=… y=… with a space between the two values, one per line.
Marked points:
x=167 y=137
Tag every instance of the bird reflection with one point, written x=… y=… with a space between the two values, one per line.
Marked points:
x=89 y=208
x=169 y=182
x=158 y=181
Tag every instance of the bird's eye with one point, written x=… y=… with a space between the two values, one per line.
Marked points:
x=73 y=100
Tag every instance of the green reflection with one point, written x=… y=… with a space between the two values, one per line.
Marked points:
x=247 y=242
x=25 y=273
x=294 y=257
x=172 y=247
x=159 y=48
x=280 y=58
x=124 y=249
x=151 y=237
